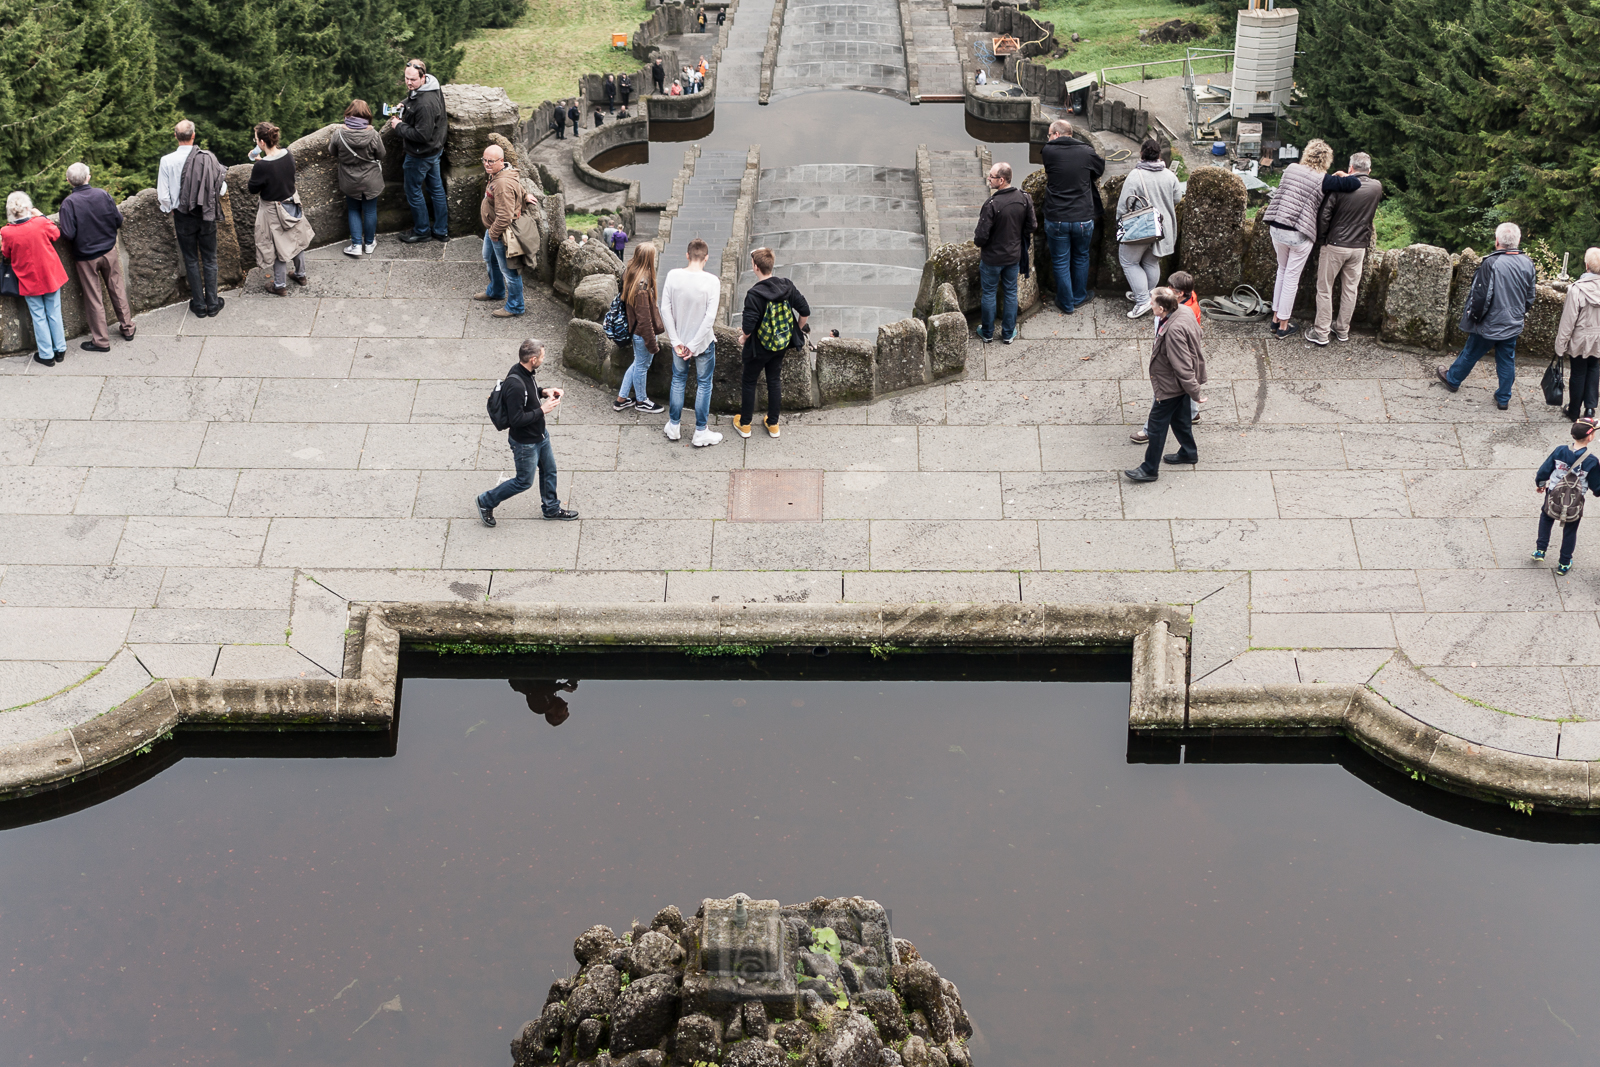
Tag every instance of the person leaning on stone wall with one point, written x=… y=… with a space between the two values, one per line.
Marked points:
x=1578 y=337
x=90 y=220
x=1344 y=230
x=1292 y=220
x=1072 y=203
x=1502 y=294
x=1156 y=186
x=283 y=233
x=28 y=241
x=190 y=185
x=422 y=126
x=358 y=150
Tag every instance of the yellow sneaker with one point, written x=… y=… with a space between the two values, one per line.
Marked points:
x=772 y=428
x=741 y=428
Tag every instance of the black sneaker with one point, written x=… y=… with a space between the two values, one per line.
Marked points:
x=486 y=514
x=413 y=238
x=90 y=346
x=215 y=309
x=621 y=404
x=647 y=406
x=441 y=237
x=564 y=513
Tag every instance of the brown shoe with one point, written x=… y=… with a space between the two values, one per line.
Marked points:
x=298 y=279
x=278 y=290
x=1139 y=437
x=128 y=332
x=502 y=313
x=486 y=296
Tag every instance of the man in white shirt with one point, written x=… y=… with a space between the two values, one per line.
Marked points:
x=197 y=235
x=689 y=309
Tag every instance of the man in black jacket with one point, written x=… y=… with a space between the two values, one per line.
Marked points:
x=574 y=115
x=90 y=219
x=1344 y=230
x=530 y=440
x=1004 y=225
x=1071 y=169
x=422 y=126
x=757 y=356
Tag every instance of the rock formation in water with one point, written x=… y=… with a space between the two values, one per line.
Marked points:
x=750 y=983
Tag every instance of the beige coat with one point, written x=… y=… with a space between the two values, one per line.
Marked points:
x=278 y=235
x=1579 y=333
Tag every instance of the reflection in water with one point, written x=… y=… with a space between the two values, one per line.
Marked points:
x=544 y=697
x=623 y=155
x=693 y=130
x=1095 y=908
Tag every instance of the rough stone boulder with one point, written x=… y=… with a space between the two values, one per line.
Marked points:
x=957 y=265
x=316 y=179
x=587 y=1040
x=644 y=1012
x=698 y=1040
x=844 y=369
x=923 y=991
x=1210 y=224
x=945 y=300
x=947 y=343
x=902 y=355
x=669 y=919
x=1037 y=185
x=597 y=995
x=799 y=381
x=593 y=944
x=1464 y=268
x=539 y=1041
x=592 y=297
x=463 y=196
x=649 y=1057
x=849 y=1041
x=1107 y=268
x=1538 y=340
x=588 y=350
x=883 y=1009
x=575 y=262
x=655 y=953
x=1418 y=298
x=754 y=1054
x=474 y=112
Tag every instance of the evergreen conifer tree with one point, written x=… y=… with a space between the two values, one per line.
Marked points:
x=129 y=125
x=43 y=98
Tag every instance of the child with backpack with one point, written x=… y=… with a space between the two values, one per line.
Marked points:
x=774 y=321
x=1563 y=478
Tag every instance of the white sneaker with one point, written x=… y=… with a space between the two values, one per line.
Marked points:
x=671 y=430
x=1139 y=310
x=1128 y=296
x=702 y=438
x=352 y=250
x=370 y=247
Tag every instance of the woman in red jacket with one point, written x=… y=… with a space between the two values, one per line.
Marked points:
x=28 y=241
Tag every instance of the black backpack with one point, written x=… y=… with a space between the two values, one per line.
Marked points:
x=499 y=414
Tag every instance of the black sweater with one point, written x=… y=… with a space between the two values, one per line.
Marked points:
x=756 y=300
x=273 y=179
x=522 y=402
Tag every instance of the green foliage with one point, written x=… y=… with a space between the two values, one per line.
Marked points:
x=882 y=651
x=1394 y=229
x=579 y=222
x=825 y=941
x=722 y=650
x=1110 y=32
x=473 y=648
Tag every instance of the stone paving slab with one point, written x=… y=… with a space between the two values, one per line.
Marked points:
x=210 y=497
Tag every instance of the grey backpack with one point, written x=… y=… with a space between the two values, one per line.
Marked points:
x=1563 y=500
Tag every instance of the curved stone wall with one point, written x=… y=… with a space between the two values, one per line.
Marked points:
x=594 y=143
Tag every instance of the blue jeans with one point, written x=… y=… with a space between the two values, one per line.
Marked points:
x=1069 y=260
x=504 y=281
x=1003 y=278
x=1505 y=363
x=704 y=364
x=425 y=187
x=634 y=377
x=528 y=457
x=48 y=332
x=363 y=218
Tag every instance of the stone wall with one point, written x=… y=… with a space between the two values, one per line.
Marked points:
x=153 y=267
x=595 y=142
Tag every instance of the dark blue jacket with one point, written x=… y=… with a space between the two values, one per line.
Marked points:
x=1501 y=297
x=90 y=220
x=1566 y=454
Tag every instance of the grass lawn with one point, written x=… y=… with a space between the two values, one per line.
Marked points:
x=541 y=57
x=1110 y=32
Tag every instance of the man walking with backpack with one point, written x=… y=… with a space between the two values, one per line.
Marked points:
x=775 y=315
x=518 y=404
x=1574 y=472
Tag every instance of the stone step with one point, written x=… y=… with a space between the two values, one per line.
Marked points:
x=897 y=247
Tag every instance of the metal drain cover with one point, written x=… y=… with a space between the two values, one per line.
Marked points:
x=775 y=496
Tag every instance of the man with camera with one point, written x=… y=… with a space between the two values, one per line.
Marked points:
x=421 y=124
x=526 y=405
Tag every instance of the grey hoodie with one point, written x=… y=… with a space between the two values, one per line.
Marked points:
x=1579 y=333
x=422 y=121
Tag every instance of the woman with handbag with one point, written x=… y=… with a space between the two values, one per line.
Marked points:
x=1146 y=224
x=28 y=244
x=1578 y=337
x=282 y=231
x=358 y=150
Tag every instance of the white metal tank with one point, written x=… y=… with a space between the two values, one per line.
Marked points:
x=1263 y=73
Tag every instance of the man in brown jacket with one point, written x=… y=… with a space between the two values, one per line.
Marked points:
x=502 y=205
x=1177 y=371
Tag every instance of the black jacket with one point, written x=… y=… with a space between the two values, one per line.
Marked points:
x=422 y=120
x=522 y=403
x=756 y=300
x=1070 y=168
x=1345 y=219
x=1003 y=224
x=90 y=220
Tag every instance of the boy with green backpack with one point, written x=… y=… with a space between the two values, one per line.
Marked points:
x=774 y=321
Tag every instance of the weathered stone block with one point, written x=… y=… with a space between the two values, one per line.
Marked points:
x=945 y=300
x=463 y=194
x=957 y=265
x=587 y=349
x=593 y=296
x=152 y=267
x=1108 y=269
x=730 y=367
x=1027 y=292
x=1259 y=266
x=1418 y=298
x=1036 y=186
x=902 y=356
x=575 y=262
x=1463 y=270
x=947 y=344
x=799 y=382
x=474 y=112
x=555 y=233
x=1210 y=225
x=1538 y=340
x=844 y=369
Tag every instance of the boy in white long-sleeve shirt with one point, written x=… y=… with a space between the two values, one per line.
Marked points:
x=689 y=309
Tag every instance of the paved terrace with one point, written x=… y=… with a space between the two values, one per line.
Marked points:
x=203 y=501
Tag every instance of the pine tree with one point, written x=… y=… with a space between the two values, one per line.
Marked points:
x=43 y=98
x=129 y=124
x=1545 y=162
